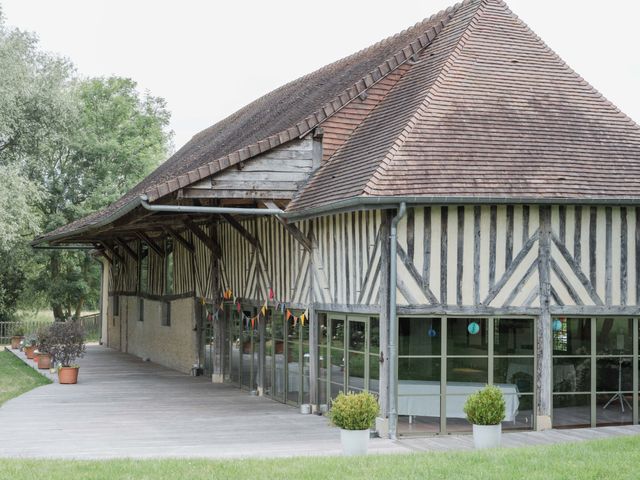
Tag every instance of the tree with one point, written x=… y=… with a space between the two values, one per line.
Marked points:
x=81 y=143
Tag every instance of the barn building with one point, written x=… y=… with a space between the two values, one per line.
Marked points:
x=450 y=207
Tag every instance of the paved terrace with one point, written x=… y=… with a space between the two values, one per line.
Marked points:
x=123 y=407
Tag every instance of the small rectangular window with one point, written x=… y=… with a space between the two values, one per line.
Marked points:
x=141 y=309
x=166 y=314
x=143 y=268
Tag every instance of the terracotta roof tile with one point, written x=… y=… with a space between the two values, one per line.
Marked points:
x=489 y=111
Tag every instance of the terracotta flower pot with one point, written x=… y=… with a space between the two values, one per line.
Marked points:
x=44 y=361
x=15 y=342
x=68 y=375
x=29 y=351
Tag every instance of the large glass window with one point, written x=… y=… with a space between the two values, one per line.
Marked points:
x=593 y=371
x=444 y=360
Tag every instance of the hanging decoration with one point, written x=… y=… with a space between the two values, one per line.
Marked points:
x=557 y=325
x=253 y=322
x=473 y=328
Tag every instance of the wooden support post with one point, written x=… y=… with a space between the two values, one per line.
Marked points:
x=543 y=329
x=382 y=424
x=314 y=331
x=217 y=374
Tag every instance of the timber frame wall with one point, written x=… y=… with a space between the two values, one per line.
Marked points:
x=470 y=260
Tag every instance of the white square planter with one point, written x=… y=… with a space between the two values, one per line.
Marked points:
x=354 y=442
x=487 y=436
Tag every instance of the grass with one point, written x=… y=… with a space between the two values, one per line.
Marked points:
x=611 y=459
x=17 y=378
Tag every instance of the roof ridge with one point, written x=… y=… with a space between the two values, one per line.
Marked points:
x=566 y=65
x=410 y=125
x=302 y=128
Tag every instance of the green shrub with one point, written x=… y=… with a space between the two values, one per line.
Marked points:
x=354 y=411
x=485 y=407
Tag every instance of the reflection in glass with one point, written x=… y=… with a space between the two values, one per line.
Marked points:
x=614 y=374
x=572 y=336
x=374 y=373
x=571 y=374
x=374 y=333
x=513 y=336
x=419 y=369
x=521 y=412
x=516 y=371
x=614 y=410
x=419 y=336
x=571 y=411
x=356 y=371
x=614 y=336
x=425 y=416
x=461 y=340
x=468 y=370
x=357 y=335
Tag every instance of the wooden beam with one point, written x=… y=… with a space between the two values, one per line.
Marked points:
x=113 y=251
x=152 y=244
x=295 y=232
x=127 y=248
x=241 y=230
x=180 y=239
x=202 y=236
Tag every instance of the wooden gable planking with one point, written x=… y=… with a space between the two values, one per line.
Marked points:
x=276 y=174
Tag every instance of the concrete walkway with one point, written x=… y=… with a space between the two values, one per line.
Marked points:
x=123 y=407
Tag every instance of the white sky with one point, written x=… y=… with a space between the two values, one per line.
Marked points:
x=210 y=58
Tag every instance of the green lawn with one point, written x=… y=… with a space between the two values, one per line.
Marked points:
x=607 y=459
x=17 y=378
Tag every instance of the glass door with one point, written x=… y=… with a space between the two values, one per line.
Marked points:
x=350 y=354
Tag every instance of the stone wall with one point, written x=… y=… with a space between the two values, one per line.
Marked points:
x=174 y=345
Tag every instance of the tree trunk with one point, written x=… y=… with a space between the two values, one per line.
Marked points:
x=79 y=307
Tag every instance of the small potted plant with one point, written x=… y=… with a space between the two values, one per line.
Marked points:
x=43 y=355
x=66 y=344
x=485 y=409
x=18 y=336
x=30 y=346
x=355 y=415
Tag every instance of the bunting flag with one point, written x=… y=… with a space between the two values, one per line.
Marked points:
x=271 y=294
x=264 y=309
x=238 y=307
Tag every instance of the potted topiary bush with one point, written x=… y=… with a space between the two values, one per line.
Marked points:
x=66 y=344
x=485 y=409
x=355 y=415
x=43 y=355
x=18 y=336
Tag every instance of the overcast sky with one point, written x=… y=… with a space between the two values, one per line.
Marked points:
x=210 y=58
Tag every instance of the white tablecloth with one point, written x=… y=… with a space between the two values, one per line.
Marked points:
x=412 y=399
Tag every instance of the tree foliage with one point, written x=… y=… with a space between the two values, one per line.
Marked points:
x=68 y=146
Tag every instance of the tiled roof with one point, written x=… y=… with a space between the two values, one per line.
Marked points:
x=469 y=103
x=488 y=111
x=282 y=115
